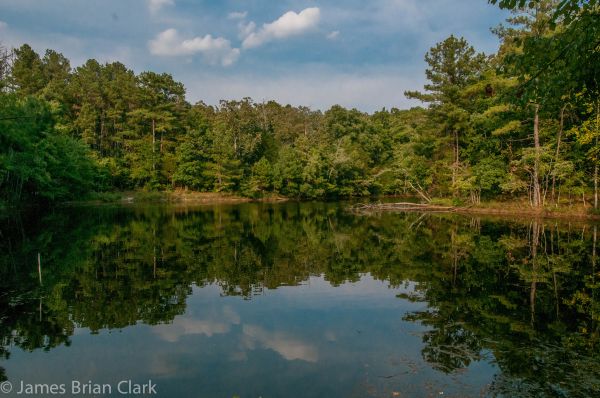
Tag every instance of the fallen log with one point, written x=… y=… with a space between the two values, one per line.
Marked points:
x=401 y=206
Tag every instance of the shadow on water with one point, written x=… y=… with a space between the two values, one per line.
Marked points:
x=519 y=295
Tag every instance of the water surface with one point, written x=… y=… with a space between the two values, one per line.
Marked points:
x=299 y=300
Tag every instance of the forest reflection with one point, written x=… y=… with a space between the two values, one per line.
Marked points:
x=519 y=293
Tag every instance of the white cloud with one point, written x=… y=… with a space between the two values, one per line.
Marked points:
x=246 y=29
x=215 y=50
x=333 y=35
x=289 y=24
x=3 y=25
x=237 y=15
x=156 y=5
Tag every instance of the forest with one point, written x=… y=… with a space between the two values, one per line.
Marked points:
x=521 y=124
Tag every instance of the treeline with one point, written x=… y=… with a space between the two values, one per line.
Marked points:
x=520 y=123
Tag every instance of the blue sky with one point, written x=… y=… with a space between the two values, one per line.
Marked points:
x=317 y=53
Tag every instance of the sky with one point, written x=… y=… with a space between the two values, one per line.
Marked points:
x=316 y=53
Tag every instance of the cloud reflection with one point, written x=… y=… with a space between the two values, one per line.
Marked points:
x=219 y=323
x=285 y=345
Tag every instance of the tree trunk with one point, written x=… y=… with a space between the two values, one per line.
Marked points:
x=235 y=146
x=456 y=162
x=101 y=135
x=596 y=187
x=537 y=197
x=558 y=142
x=596 y=162
x=40 y=268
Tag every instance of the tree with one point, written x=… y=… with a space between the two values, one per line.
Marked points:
x=453 y=65
x=193 y=152
x=27 y=71
x=418 y=162
x=565 y=9
x=261 y=179
x=6 y=61
x=554 y=58
x=37 y=163
x=161 y=104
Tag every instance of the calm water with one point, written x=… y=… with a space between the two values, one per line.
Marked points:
x=299 y=300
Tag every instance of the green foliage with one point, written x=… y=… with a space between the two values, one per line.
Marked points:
x=565 y=9
x=36 y=162
x=27 y=71
x=261 y=179
x=523 y=121
x=453 y=66
x=108 y=197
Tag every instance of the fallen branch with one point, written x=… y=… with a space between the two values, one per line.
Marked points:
x=402 y=206
x=420 y=191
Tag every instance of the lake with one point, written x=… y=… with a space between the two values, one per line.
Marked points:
x=297 y=300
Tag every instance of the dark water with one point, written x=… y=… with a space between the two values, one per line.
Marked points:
x=299 y=300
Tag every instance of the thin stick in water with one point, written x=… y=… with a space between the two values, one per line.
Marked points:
x=40 y=269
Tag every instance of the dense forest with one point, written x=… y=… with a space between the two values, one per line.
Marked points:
x=521 y=123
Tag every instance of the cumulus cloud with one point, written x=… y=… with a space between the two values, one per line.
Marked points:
x=156 y=5
x=215 y=50
x=246 y=29
x=289 y=24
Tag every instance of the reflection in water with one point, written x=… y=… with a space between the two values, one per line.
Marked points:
x=492 y=307
x=219 y=324
x=288 y=347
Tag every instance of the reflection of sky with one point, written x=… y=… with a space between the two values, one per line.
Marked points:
x=218 y=323
x=309 y=340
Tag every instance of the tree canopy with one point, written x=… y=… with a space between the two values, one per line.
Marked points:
x=521 y=123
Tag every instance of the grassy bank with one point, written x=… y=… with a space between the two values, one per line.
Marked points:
x=522 y=208
x=503 y=208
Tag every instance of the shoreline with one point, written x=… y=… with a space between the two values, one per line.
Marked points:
x=176 y=197
x=511 y=209
x=544 y=213
x=506 y=209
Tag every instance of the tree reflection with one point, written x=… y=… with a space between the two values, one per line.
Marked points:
x=522 y=294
